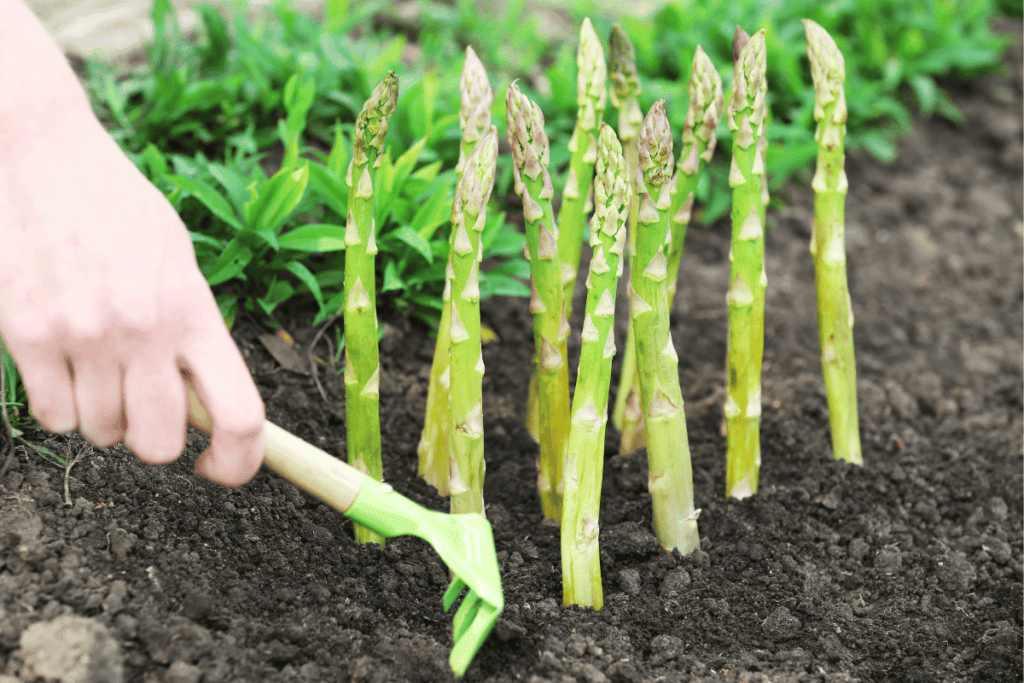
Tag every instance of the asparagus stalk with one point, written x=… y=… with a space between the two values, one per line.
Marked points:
x=362 y=363
x=746 y=117
x=530 y=154
x=581 y=566
x=475 y=120
x=668 y=450
x=835 y=315
x=469 y=214
x=591 y=96
x=706 y=107
x=627 y=415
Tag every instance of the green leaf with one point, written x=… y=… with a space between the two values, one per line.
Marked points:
x=501 y=285
x=201 y=238
x=329 y=188
x=926 y=92
x=413 y=239
x=233 y=182
x=228 y=305
x=232 y=261
x=156 y=164
x=314 y=238
x=392 y=281
x=303 y=273
x=337 y=162
x=433 y=214
x=277 y=199
x=210 y=198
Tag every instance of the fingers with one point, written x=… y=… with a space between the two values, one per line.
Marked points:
x=47 y=380
x=97 y=380
x=226 y=389
x=154 y=396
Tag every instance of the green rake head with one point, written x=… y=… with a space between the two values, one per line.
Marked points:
x=464 y=542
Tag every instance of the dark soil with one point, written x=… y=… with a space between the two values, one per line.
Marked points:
x=906 y=569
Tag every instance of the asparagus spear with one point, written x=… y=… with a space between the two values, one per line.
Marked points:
x=627 y=416
x=530 y=154
x=746 y=116
x=668 y=451
x=835 y=315
x=591 y=95
x=474 y=120
x=706 y=106
x=469 y=214
x=362 y=363
x=581 y=566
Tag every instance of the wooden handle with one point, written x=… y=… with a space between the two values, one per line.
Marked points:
x=334 y=482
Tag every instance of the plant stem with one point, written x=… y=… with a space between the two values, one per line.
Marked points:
x=433 y=449
x=530 y=153
x=668 y=451
x=581 y=565
x=746 y=117
x=706 y=107
x=625 y=91
x=469 y=214
x=828 y=244
x=591 y=95
x=362 y=361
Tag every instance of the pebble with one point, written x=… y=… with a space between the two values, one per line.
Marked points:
x=780 y=625
x=902 y=402
x=954 y=572
x=182 y=672
x=72 y=649
x=674 y=584
x=629 y=581
x=889 y=560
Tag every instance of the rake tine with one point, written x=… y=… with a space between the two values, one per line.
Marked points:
x=467 y=643
x=453 y=592
x=466 y=613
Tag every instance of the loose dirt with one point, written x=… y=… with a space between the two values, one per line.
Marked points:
x=906 y=569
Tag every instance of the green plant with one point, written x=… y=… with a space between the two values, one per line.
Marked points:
x=362 y=364
x=828 y=244
x=625 y=91
x=530 y=152
x=746 y=113
x=433 y=449
x=668 y=452
x=699 y=140
x=466 y=428
x=584 y=465
x=591 y=95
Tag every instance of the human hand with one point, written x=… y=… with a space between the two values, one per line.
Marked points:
x=103 y=306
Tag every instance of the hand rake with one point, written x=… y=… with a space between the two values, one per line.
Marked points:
x=464 y=542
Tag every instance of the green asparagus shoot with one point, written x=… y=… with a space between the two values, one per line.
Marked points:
x=362 y=362
x=746 y=114
x=581 y=565
x=530 y=155
x=591 y=96
x=469 y=214
x=668 y=450
x=624 y=93
x=706 y=107
x=433 y=449
x=835 y=313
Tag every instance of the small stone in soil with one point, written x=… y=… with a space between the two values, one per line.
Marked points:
x=72 y=649
x=780 y=625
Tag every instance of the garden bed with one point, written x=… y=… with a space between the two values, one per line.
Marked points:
x=907 y=569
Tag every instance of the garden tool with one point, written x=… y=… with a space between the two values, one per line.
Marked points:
x=464 y=542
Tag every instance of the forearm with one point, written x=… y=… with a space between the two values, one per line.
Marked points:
x=36 y=98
